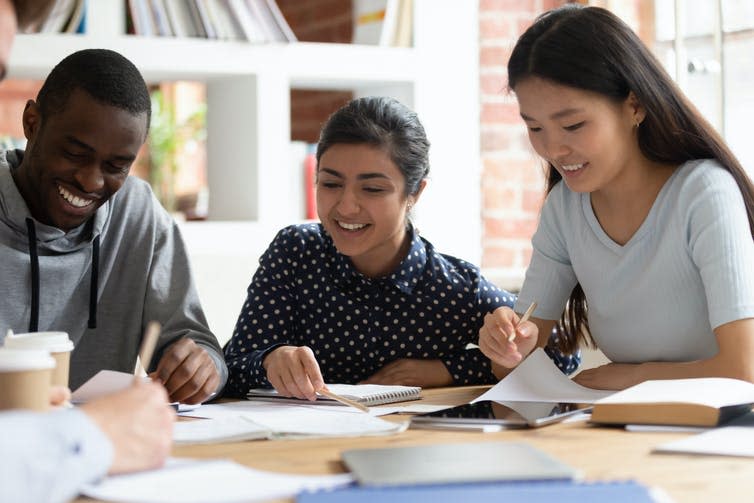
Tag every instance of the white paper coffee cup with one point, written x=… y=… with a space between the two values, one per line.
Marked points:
x=56 y=343
x=25 y=379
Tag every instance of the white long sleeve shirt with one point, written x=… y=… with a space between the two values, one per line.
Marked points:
x=48 y=457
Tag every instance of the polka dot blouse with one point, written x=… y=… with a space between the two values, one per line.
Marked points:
x=305 y=293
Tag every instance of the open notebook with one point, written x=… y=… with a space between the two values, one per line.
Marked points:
x=367 y=394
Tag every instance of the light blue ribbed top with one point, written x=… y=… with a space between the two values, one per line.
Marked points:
x=689 y=267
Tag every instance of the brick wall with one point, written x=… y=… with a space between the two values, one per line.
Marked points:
x=13 y=97
x=513 y=179
x=316 y=21
x=512 y=176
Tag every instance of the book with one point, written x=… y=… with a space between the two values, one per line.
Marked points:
x=374 y=21
x=454 y=464
x=707 y=401
x=366 y=394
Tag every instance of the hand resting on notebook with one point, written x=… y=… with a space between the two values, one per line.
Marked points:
x=293 y=371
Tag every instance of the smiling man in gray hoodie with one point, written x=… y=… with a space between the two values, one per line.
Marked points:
x=87 y=249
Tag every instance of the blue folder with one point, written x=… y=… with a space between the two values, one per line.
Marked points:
x=501 y=492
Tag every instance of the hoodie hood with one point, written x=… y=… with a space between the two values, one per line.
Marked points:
x=26 y=233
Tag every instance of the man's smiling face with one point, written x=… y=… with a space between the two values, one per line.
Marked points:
x=77 y=158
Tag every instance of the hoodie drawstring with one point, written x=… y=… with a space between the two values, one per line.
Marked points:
x=93 y=285
x=34 y=320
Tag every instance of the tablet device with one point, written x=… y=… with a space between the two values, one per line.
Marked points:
x=453 y=463
x=491 y=416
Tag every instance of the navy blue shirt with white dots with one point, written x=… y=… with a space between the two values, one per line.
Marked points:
x=305 y=293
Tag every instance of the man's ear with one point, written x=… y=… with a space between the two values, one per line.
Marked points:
x=32 y=119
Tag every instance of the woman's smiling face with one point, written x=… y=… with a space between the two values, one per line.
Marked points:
x=589 y=138
x=362 y=203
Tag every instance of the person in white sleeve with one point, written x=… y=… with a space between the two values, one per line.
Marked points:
x=47 y=457
x=644 y=246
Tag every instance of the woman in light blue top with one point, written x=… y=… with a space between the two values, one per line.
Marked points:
x=644 y=246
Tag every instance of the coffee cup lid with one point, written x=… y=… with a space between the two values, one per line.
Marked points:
x=12 y=360
x=54 y=342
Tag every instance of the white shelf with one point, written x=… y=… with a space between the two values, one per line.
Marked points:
x=248 y=124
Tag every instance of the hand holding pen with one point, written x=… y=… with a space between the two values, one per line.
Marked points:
x=505 y=338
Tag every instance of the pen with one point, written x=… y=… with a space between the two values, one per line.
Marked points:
x=343 y=400
x=147 y=347
x=524 y=318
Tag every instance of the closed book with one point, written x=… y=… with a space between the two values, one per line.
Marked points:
x=707 y=401
x=366 y=394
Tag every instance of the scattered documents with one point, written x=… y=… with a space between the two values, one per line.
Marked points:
x=537 y=379
x=223 y=429
x=106 y=382
x=727 y=441
x=302 y=420
x=219 y=481
x=705 y=401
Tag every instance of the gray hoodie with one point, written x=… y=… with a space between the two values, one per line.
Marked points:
x=101 y=282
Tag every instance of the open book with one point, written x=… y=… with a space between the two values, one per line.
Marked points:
x=367 y=394
x=685 y=402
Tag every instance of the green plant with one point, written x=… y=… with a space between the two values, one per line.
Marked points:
x=167 y=139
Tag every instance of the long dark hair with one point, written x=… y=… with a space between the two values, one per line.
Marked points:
x=590 y=48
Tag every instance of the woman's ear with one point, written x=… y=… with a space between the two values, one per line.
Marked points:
x=414 y=198
x=31 y=119
x=636 y=109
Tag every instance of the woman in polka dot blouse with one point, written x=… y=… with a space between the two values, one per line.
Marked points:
x=361 y=297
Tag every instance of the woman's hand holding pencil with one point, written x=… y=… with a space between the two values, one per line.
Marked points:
x=505 y=338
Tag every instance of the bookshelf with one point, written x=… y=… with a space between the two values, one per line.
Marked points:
x=248 y=125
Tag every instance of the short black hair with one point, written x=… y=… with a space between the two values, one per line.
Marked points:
x=105 y=75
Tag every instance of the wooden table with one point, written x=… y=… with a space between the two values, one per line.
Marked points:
x=600 y=453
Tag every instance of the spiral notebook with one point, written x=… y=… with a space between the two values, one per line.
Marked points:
x=367 y=394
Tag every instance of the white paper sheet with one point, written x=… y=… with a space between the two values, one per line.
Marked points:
x=284 y=419
x=537 y=379
x=106 y=382
x=102 y=383
x=727 y=441
x=219 y=481
x=223 y=429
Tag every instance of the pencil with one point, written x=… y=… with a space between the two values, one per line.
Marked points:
x=343 y=400
x=524 y=318
x=147 y=347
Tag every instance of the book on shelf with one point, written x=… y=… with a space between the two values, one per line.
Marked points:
x=160 y=16
x=366 y=394
x=250 y=26
x=181 y=18
x=383 y=22
x=77 y=21
x=57 y=19
x=706 y=401
x=256 y=21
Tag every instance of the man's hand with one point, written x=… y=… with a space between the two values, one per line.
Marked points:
x=293 y=371
x=412 y=372
x=187 y=372
x=139 y=423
